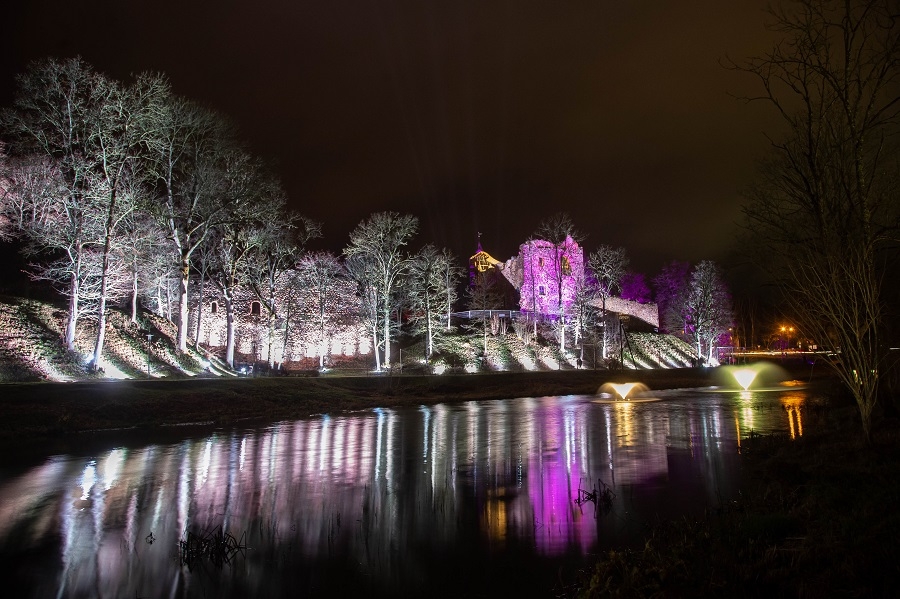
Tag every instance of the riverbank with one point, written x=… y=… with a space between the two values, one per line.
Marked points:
x=31 y=409
x=816 y=517
x=42 y=409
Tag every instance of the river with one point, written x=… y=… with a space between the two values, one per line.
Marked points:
x=464 y=499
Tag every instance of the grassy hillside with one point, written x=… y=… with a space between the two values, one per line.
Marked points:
x=31 y=346
x=31 y=349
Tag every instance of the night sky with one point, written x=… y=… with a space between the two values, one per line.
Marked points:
x=474 y=115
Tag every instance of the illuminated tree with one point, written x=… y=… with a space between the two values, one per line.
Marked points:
x=321 y=274
x=432 y=290
x=671 y=287
x=251 y=198
x=824 y=207
x=55 y=114
x=608 y=265
x=89 y=129
x=451 y=276
x=363 y=271
x=29 y=188
x=634 y=287
x=583 y=313
x=142 y=245
x=115 y=178
x=281 y=243
x=559 y=230
x=16 y=199
x=483 y=297
x=380 y=242
x=708 y=308
x=188 y=145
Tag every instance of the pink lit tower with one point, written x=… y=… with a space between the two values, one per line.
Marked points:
x=547 y=274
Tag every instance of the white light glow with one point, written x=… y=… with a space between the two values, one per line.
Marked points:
x=744 y=377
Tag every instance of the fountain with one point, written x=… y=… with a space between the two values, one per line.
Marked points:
x=623 y=392
x=744 y=376
x=623 y=389
x=761 y=376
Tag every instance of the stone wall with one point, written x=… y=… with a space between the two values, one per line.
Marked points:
x=297 y=335
x=646 y=312
x=540 y=269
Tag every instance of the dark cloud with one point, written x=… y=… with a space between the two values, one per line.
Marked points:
x=473 y=115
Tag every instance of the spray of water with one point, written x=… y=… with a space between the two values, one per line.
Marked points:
x=625 y=391
x=744 y=377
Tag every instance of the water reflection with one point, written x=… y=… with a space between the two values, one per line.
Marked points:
x=385 y=500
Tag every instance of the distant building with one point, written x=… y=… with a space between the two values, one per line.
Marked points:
x=482 y=264
x=297 y=335
x=544 y=273
x=530 y=284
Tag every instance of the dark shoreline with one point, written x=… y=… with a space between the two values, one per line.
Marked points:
x=39 y=409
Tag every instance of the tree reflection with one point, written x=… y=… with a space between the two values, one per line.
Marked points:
x=390 y=490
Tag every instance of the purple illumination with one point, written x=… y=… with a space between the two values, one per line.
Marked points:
x=544 y=267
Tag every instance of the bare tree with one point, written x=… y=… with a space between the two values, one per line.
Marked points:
x=380 y=241
x=116 y=175
x=452 y=275
x=188 y=146
x=483 y=298
x=89 y=128
x=558 y=229
x=251 y=198
x=608 y=265
x=432 y=290
x=29 y=190
x=55 y=113
x=825 y=202
x=362 y=270
x=583 y=313
x=708 y=307
x=671 y=288
x=321 y=273
x=141 y=243
x=281 y=243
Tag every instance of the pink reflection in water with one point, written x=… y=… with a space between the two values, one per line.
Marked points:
x=385 y=490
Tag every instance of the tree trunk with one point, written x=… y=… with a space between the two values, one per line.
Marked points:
x=287 y=328
x=168 y=300
x=72 y=320
x=200 y=301
x=182 y=323
x=429 y=347
x=159 y=300
x=134 y=293
x=387 y=335
x=270 y=347
x=271 y=325
x=562 y=334
x=375 y=347
x=229 y=329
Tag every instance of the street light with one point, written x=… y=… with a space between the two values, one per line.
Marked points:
x=786 y=333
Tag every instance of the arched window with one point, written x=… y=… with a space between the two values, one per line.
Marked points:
x=542 y=290
x=255 y=309
x=565 y=266
x=214 y=307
